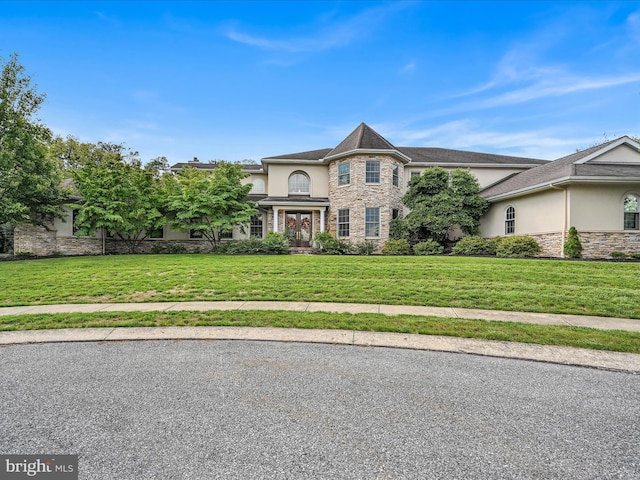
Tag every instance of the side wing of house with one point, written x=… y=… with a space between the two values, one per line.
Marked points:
x=597 y=191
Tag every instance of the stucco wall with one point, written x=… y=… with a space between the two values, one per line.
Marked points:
x=621 y=154
x=535 y=214
x=486 y=176
x=599 y=207
x=279 y=179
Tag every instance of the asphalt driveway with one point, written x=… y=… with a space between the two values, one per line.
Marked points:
x=243 y=409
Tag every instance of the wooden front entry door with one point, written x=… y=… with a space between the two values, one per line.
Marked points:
x=298 y=228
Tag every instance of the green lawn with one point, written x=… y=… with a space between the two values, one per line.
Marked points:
x=587 y=288
x=592 y=288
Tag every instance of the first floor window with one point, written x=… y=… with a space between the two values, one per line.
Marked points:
x=74 y=221
x=631 y=212
x=372 y=222
x=195 y=233
x=226 y=235
x=344 y=173
x=343 y=222
x=157 y=234
x=255 y=229
x=395 y=213
x=510 y=221
x=372 y=171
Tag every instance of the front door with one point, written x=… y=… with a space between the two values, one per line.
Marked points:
x=298 y=227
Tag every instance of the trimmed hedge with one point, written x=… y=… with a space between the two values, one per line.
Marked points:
x=396 y=247
x=428 y=247
x=475 y=245
x=517 y=246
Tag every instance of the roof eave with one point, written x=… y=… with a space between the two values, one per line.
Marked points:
x=475 y=165
x=367 y=151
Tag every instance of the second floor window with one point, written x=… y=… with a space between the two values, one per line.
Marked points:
x=372 y=171
x=344 y=173
x=298 y=184
x=395 y=177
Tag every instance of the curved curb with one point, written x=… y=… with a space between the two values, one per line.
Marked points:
x=616 y=361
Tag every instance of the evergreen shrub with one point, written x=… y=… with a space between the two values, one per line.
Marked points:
x=428 y=247
x=396 y=247
x=573 y=246
x=474 y=245
x=518 y=246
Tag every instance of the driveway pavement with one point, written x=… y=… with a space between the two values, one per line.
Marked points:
x=244 y=409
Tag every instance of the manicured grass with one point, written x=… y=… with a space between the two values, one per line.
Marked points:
x=517 y=332
x=587 y=288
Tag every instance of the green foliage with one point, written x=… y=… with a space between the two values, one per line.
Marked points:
x=31 y=188
x=618 y=255
x=440 y=201
x=208 y=202
x=24 y=254
x=156 y=249
x=119 y=196
x=474 y=245
x=396 y=247
x=276 y=243
x=635 y=256
x=327 y=244
x=366 y=247
x=518 y=246
x=573 y=246
x=428 y=247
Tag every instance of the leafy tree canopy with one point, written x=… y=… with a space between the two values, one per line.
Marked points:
x=119 y=195
x=30 y=180
x=440 y=202
x=208 y=203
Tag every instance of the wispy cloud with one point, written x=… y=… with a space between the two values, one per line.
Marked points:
x=330 y=33
x=409 y=67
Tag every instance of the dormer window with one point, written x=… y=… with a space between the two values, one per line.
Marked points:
x=299 y=183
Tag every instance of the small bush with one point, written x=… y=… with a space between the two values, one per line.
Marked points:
x=635 y=256
x=475 y=245
x=428 y=247
x=24 y=254
x=327 y=244
x=573 y=246
x=176 y=249
x=276 y=244
x=250 y=246
x=518 y=246
x=157 y=249
x=618 y=255
x=396 y=247
x=367 y=247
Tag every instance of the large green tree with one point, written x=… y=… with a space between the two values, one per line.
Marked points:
x=441 y=202
x=30 y=179
x=208 y=203
x=118 y=194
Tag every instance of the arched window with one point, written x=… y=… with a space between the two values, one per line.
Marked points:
x=631 y=212
x=510 y=220
x=298 y=183
x=257 y=185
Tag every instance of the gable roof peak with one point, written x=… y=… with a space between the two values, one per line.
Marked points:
x=362 y=138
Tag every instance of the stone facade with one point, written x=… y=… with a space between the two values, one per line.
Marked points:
x=594 y=244
x=359 y=195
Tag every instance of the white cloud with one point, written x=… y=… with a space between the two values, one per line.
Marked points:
x=331 y=35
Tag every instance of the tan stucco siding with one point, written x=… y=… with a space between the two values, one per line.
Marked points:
x=535 y=214
x=258 y=181
x=621 y=154
x=64 y=228
x=599 y=207
x=279 y=179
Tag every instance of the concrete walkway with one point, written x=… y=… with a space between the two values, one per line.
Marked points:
x=564 y=355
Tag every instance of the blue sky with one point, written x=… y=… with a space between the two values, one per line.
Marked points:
x=245 y=80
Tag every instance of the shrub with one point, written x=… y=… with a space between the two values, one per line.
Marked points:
x=573 y=247
x=327 y=244
x=157 y=249
x=618 y=255
x=366 y=247
x=24 y=254
x=276 y=244
x=475 y=245
x=428 y=247
x=518 y=246
x=176 y=249
x=635 y=256
x=244 y=247
x=396 y=247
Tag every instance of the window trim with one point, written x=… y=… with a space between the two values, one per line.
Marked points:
x=368 y=172
x=152 y=237
x=635 y=213
x=510 y=220
x=343 y=225
x=254 y=225
x=368 y=223
x=341 y=176
x=305 y=175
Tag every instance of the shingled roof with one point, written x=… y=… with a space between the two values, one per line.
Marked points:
x=564 y=169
